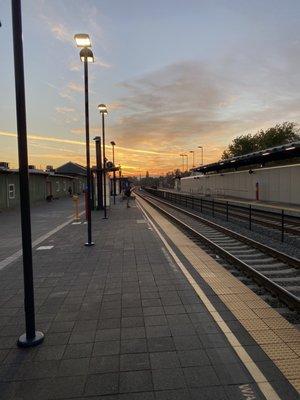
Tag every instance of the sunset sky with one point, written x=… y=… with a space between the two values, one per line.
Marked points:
x=175 y=74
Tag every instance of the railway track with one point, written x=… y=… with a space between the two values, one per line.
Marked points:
x=277 y=272
x=288 y=225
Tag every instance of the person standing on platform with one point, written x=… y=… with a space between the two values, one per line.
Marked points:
x=127 y=193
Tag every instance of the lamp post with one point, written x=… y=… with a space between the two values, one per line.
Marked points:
x=200 y=147
x=31 y=337
x=187 y=162
x=114 y=172
x=99 y=173
x=86 y=56
x=103 y=111
x=193 y=152
x=182 y=155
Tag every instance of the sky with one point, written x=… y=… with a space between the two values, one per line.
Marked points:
x=175 y=75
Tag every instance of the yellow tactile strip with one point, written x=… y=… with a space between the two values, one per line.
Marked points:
x=276 y=336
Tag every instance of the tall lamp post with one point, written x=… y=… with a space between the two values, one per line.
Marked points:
x=103 y=111
x=193 y=152
x=99 y=173
x=182 y=156
x=201 y=147
x=114 y=172
x=187 y=161
x=31 y=337
x=86 y=56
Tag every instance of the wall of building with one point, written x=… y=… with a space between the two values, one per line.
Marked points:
x=277 y=184
x=40 y=185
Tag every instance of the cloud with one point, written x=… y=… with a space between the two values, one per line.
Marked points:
x=75 y=87
x=64 y=110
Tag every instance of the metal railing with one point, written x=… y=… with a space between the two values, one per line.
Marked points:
x=278 y=220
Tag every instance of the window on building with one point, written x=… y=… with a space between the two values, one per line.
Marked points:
x=65 y=186
x=57 y=186
x=11 y=191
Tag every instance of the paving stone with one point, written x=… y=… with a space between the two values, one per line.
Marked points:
x=166 y=359
x=201 y=376
x=136 y=396
x=160 y=344
x=232 y=374
x=164 y=379
x=157 y=331
x=78 y=350
x=178 y=394
x=107 y=334
x=101 y=384
x=104 y=364
x=135 y=381
x=134 y=346
x=134 y=362
x=50 y=352
x=190 y=358
x=187 y=342
x=133 y=333
x=130 y=322
x=73 y=367
x=106 y=348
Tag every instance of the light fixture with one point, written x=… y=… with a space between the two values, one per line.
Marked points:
x=232 y=161
x=290 y=148
x=86 y=55
x=102 y=108
x=265 y=154
x=112 y=143
x=82 y=40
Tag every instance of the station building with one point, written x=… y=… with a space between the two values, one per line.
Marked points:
x=43 y=185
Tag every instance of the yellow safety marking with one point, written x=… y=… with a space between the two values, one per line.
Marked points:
x=231 y=290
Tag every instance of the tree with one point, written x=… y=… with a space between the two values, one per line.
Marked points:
x=240 y=145
x=278 y=135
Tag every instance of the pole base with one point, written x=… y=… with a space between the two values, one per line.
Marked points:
x=105 y=218
x=24 y=342
x=89 y=244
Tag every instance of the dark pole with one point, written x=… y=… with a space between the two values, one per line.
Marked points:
x=99 y=173
x=202 y=154
x=114 y=174
x=31 y=337
x=104 y=164
x=88 y=167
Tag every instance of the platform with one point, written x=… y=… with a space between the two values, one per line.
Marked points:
x=135 y=318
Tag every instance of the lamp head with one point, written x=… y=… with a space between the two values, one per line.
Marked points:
x=112 y=143
x=86 y=54
x=82 y=40
x=102 y=109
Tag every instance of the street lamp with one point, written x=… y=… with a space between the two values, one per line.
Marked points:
x=99 y=173
x=86 y=56
x=182 y=155
x=114 y=172
x=200 y=147
x=103 y=111
x=193 y=152
x=31 y=337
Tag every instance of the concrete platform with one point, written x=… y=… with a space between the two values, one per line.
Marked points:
x=135 y=318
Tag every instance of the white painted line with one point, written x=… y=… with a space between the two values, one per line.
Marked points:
x=45 y=248
x=76 y=223
x=141 y=221
x=260 y=379
x=4 y=263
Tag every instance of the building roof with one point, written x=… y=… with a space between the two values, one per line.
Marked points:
x=71 y=168
x=286 y=151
